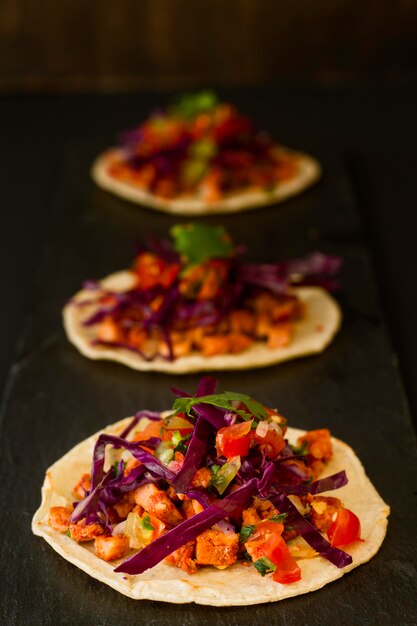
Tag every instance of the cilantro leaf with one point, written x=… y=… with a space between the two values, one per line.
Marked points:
x=224 y=400
x=278 y=518
x=178 y=440
x=146 y=523
x=246 y=532
x=214 y=469
x=301 y=450
x=199 y=242
x=116 y=467
x=264 y=566
x=68 y=533
x=189 y=105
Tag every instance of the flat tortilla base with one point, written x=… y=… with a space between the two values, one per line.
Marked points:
x=311 y=335
x=309 y=171
x=237 y=585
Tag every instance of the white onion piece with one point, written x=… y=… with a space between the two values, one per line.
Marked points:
x=120 y=528
x=262 y=429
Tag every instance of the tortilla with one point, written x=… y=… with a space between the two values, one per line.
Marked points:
x=311 y=335
x=237 y=585
x=309 y=171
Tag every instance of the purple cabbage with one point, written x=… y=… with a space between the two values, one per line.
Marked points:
x=308 y=532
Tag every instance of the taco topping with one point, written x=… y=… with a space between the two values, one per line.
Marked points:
x=195 y=295
x=200 y=146
x=213 y=483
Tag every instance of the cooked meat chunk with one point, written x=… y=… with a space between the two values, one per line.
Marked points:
x=184 y=558
x=59 y=518
x=215 y=547
x=85 y=532
x=111 y=548
x=201 y=478
x=156 y=502
x=82 y=487
x=322 y=509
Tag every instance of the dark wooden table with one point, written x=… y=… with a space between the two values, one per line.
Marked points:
x=58 y=229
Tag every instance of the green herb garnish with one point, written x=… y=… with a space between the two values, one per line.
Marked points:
x=264 y=566
x=116 y=467
x=214 y=469
x=224 y=400
x=178 y=441
x=246 y=532
x=301 y=450
x=278 y=518
x=200 y=242
x=146 y=523
x=190 y=105
x=68 y=533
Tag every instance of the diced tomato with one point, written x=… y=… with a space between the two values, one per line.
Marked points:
x=345 y=529
x=288 y=570
x=153 y=271
x=272 y=440
x=267 y=542
x=234 y=440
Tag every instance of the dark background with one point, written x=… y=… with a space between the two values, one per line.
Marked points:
x=104 y=45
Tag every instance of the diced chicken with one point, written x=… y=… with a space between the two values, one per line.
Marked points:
x=131 y=464
x=279 y=335
x=183 y=558
x=59 y=518
x=111 y=548
x=201 y=478
x=242 y=321
x=181 y=343
x=260 y=510
x=319 y=446
x=82 y=487
x=191 y=508
x=136 y=337
x=265 y=508
x=239 y=343
x=214 y=344
x=250 y=517
x=263 y=325
x=217 y=548
x=123 y=508
x=108 y=330
x=322 y=510
x=156 y=502
x=85 y=532
x=283 y=310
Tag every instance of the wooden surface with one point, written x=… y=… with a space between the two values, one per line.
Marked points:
x=72 y=45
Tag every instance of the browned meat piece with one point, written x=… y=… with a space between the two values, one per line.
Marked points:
x=319 y=446
x=191 y=507
x=59 y=518
x=322 y=509
x=85 y=532
x=156 y=502
x=111 y=548
x=123 y=508
x=184 y=558
x=201 y=478
x=215 y=547
x=250 y=517
x=82 y=487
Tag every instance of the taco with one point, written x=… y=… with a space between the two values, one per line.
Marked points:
x=193 y=305
x=201 y=156
x=216 y=502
